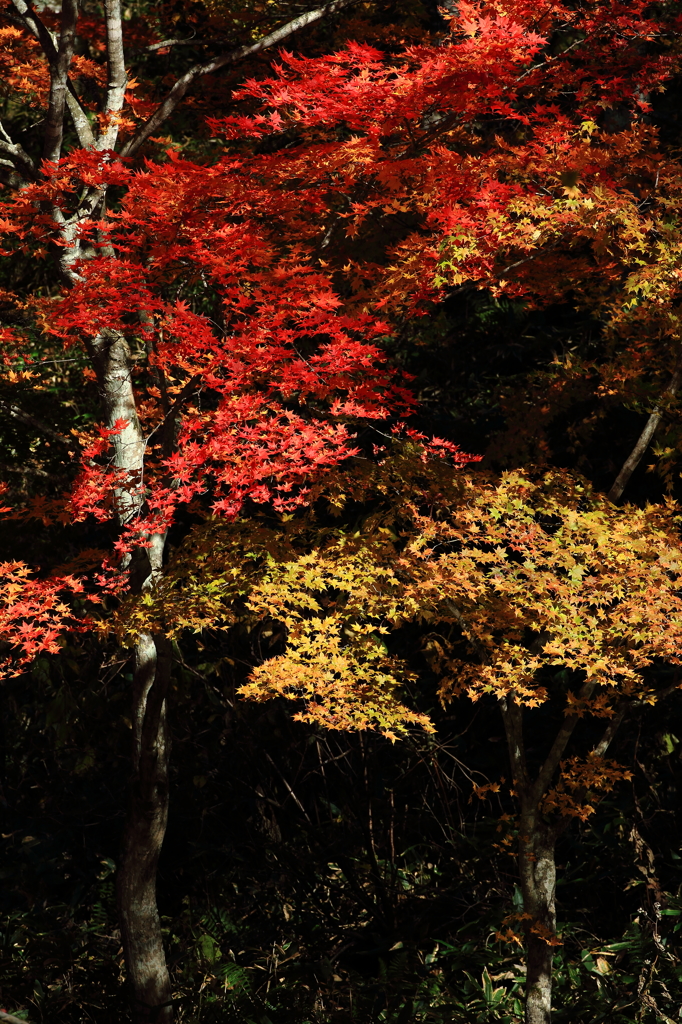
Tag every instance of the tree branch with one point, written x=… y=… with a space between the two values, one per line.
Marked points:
x=33 y=421
x=59 y=77
x=79 y=118
x=513 y=726
x=32 y=22
x=167 y=43
x=18 y=155
x=559 y=746
x=599 y=749
x=610 y=731
x=118 y=78
x=176 y=94
x=635 y=457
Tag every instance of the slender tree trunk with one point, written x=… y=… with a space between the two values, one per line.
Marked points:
x=537 y=869
x=537 y=843
x=145 y=960
x=146 y=969
x=537 y=865
x=146 y=825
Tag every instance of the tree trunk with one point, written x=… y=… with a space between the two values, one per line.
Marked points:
x=537 y=843
x=145 y=960
x=537 y=870
x=147 y=973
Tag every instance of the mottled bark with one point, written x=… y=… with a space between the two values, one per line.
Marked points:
x=537 y=841
x=146 y=970
x=59 y=77
x=148 y=808
x=110 y=355
x=537 y=870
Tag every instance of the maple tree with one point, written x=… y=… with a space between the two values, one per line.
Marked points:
x=523 y=159
x=529 y=592
x=502 y=148
x=233 y=408
x=231 y=330
x=265 y=436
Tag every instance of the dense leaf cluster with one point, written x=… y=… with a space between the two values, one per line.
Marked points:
x=413 y=714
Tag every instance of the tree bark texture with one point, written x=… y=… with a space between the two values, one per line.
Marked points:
x=144 y=833
x=537 y=843
x=537 y=865
x=537 y=869
x=147 y=973
x=146 y=969
x=110 y=355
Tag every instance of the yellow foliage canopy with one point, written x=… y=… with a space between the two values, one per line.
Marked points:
x=523 y=587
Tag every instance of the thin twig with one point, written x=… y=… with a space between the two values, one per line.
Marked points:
x=284 y=780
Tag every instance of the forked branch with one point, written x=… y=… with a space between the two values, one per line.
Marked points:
x=176 y=94
x=553 y=759
x=59 y=80
x=29 y=18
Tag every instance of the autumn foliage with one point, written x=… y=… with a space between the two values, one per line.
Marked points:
x=255 y=460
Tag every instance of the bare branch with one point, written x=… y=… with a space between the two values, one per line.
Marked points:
x=33 y=23
x=59 y=77
x=33 y=421
x=18 y=155
x=635 y=457
x=610 y=731
x=167 y=43
x=166 y=108
x=599 y=749
x=291 y=791
x=667 y=690
x=79 y=118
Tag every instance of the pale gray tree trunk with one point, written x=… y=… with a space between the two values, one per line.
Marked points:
x=537 y=870
x=146 y=969
x=147 y=972
x=537 y=842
